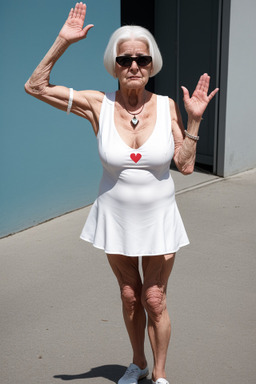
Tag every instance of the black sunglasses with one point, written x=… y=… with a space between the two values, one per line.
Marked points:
x=126 y=61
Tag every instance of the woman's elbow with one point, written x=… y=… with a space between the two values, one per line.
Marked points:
x=188 y=170
x=34 y=89
x=185 y=169
x=27 y=88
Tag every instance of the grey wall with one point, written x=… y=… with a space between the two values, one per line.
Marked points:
x=239 y=138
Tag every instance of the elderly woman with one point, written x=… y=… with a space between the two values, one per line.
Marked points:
x=135 y=214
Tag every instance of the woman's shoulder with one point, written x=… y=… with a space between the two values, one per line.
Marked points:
x=92 y=96
x=173 y=106
x=171 y=101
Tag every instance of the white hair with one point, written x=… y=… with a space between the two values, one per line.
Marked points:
x=129 y=32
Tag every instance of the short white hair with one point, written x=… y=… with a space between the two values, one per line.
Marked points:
x=129 y=32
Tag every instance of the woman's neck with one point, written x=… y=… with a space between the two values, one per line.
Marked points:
x=133 y=97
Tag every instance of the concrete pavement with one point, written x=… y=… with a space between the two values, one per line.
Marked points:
x=60 y=316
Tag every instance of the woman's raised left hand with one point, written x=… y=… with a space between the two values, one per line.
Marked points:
x=197 y=103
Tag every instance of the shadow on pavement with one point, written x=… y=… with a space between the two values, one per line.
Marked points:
x=110 y=372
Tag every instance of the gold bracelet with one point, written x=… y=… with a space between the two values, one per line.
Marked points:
x=196 y=138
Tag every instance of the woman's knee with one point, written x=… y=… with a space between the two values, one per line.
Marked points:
x=130 y=296
x=154 y=301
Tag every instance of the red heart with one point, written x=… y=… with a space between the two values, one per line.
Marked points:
x=136 y=157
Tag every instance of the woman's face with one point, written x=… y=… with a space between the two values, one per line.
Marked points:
x=133 y=77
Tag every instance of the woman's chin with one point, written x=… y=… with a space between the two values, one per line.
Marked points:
x=135 y=83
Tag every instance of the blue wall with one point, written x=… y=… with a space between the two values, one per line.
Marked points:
x=48 y=160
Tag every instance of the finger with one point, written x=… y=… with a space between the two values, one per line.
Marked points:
x=80 y=10
x=203 y=83
x=213 y=93
x=83 y=11
x=75 y=10
x=199 y=84
x=206 y=83
x=185 y=93
x=71 y=13
x=86 y=29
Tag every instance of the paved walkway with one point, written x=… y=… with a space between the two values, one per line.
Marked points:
x=60 y=314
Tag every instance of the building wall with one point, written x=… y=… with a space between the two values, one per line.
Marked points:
x=217 y=37
x=240 y=134
x=48 y=161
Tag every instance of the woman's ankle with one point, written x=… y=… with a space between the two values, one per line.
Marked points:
x=156 y=374
x=141 y=363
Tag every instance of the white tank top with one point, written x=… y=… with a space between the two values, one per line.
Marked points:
x=135 y=213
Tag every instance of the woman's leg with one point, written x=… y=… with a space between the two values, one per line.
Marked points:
x=127 y=273
x=156 y=270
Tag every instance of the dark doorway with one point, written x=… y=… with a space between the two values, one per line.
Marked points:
x=188 y=35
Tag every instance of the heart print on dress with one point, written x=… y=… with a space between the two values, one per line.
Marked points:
x=136 y=157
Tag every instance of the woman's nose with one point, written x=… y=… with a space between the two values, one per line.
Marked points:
x=134 y=65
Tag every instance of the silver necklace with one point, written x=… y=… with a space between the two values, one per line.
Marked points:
x=134 y=121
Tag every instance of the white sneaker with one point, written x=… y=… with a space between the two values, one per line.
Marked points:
x=160 y=381
x=133 y=374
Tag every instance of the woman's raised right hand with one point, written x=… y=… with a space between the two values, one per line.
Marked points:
x=73 y=30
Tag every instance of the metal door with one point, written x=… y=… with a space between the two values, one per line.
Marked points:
x=188 y=34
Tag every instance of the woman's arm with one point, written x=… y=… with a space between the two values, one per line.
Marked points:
x=185 y=147
x=85 y=103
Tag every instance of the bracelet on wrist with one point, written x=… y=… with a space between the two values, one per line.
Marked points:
x=70 y=101
x=195 y=138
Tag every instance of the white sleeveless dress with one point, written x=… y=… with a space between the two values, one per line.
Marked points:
x=135 y=213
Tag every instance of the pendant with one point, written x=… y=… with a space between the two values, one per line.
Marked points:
x=134 y=121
